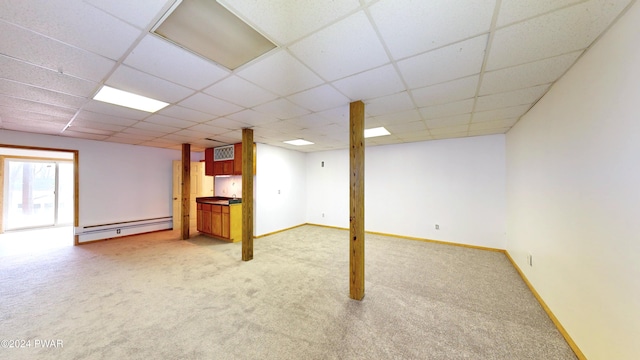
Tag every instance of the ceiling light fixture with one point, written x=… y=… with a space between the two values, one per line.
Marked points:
x=208 y=29
x=298 y=142
x=123 y=98
x=373 y=132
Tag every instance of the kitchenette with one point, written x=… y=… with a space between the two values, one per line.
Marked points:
x=220 y=216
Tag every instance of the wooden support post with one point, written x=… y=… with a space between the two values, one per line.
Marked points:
x=247 y=194
x=356 y=201
x=186 y=189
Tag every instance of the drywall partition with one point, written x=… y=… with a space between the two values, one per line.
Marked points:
x=118 y=182
x=280 y=189
x=457 y=184
x=573 y=180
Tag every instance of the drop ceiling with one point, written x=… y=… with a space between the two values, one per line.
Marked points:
x=425 y=70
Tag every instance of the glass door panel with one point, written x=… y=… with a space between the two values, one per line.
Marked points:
x=30 y=199
x=65 y=193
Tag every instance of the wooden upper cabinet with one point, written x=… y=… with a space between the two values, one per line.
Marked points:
x=237 y=159
x=208 y=161
x=227 y=167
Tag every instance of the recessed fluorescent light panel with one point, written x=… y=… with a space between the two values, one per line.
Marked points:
x=373 y=132
x=298 y=142
x=210 y=30
x=123 y=98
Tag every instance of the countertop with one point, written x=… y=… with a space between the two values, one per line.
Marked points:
x=218 y=200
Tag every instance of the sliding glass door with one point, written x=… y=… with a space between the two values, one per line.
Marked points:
x=37 y=193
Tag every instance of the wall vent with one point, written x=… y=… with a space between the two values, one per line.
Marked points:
x=223 y=153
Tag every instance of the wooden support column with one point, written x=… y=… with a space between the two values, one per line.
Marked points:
x=186 y=189
x=356 y=200
x=247 y=194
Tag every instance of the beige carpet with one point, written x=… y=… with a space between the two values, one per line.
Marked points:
x=153 y=297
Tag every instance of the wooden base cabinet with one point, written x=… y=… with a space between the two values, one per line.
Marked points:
x=221 y=221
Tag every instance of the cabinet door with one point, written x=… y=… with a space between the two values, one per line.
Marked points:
x=208 y=161
x=227 y=167
x=199 y=224
x=237 y=159
x=218 y=168
x=225 y=222
x=216 y=220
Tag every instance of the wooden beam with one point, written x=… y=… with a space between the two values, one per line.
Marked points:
x=247 y=194
x=356 y=200
x=186 y=189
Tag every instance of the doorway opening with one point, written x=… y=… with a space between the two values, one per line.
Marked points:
x=39 y=198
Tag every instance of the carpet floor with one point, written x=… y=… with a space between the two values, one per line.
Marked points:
x=155 y=297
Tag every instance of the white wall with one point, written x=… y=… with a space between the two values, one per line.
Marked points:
x=280 y=189
x=118 y=182
x=458 y=184
x=573 y=176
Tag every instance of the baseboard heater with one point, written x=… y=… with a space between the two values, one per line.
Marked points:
x=125 y=228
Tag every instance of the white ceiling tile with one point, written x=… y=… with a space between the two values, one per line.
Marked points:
x=209 y=130
x=26 y=92
x=252 y=117
x=209 y=104
x=237 y=90
x=450 y=135
x=414 y=136
x=114 y=110
x=133 y=136
x=19 y=71
x=285 y=21
x=84 y=135
x=488 y=132
x=192 y=133
x=281 y=109
x=449 y=121
x=512 y=98
x=459 y=130
x=45 y=109
x=339 y=115
x=389 y=104
x=527 y=75
x=165 y=60
x=320 y=98
x=88 y=124
x=85 y=115
x=9 y=114
x=89 y=130
x=498 y=124
x=409 y=27
x=139 y=13
x=310 y=121
x=359 y=48
x=125 y=140
x=560 y=32
x=84 y=25
x=516 y=10
x=371 y=84
x=51 y=54
x=132 y=80
x=281 y=73
x=41 y=127
x=447 y=92
x=449 y=109
x=227 y=124
x=144 y=125
x=501 y=114
x=398 y=117
x=445 y=64
x=183 y=113
x=169 y=121
x=406 y=127
x=144 y=132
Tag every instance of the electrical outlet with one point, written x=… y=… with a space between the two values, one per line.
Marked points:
x=278 y=192
x=117 y=231
x=322 y=214
x=437 y=227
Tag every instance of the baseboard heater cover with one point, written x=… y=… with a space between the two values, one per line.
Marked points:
x=125 y=228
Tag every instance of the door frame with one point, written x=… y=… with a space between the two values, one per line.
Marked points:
x=76 y=180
